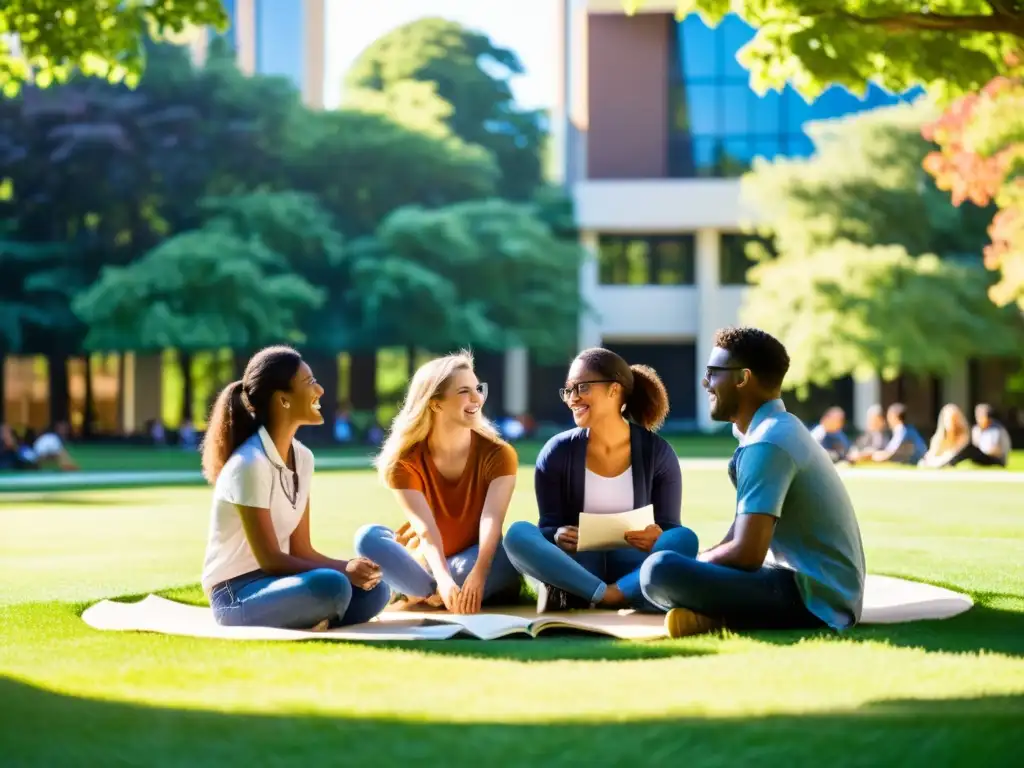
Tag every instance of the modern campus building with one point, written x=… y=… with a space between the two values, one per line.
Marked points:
x=655 y=122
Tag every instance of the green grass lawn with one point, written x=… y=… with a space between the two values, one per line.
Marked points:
x=927 y=693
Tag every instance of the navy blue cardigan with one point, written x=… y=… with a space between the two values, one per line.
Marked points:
x=561 y=472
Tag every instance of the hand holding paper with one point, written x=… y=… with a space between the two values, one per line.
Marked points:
x=609 y=531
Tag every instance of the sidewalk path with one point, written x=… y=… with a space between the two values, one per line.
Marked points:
x=58 y=481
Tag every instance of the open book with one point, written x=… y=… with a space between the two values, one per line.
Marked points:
x=625 y=625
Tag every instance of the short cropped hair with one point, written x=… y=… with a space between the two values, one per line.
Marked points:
x=757 y=350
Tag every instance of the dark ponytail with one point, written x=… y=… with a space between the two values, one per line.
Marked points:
x=243 y=406
x=645 y=398
x=647 y=404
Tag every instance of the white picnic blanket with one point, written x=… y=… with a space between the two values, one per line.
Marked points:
x=887 y=600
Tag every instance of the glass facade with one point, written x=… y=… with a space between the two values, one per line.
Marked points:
x=718 y=124
x=280 y=39
x=646 y=260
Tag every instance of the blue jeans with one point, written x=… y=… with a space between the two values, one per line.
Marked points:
x=585 y=574
x=767 y=598
x=300 y=601
x=401 y=571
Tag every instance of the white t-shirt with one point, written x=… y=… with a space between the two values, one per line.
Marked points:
x=254 y=476
x=608 y=495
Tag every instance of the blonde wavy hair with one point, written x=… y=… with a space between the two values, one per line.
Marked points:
x=945 y=439
x=415 y=419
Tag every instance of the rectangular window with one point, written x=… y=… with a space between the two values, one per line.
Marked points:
x=733 y=261
x=646 y=259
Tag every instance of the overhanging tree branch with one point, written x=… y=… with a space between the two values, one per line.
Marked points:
x=1000 y=22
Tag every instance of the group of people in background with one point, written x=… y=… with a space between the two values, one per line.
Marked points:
x=792 y=557
x=28 y=451
x=888 y=438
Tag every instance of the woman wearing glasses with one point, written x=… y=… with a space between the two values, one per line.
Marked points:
x=453 y=477
x=612 y=462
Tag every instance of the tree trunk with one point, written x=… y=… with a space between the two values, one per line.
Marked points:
x=187 y=385
x=411 y=361
x=241 y=359
x=363 y=381
x=3 y=389
x=89 y=411
x=60 y=400
x=120 y=393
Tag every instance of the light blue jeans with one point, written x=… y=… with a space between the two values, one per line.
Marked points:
x=300 y=601
x=586 y=574
x=406 y=576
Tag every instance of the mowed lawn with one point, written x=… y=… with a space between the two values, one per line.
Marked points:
x=928 y=693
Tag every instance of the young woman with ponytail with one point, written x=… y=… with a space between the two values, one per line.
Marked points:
x=261 y=569
x=612 y=462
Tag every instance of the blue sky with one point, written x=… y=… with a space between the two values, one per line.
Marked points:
x=525 y=26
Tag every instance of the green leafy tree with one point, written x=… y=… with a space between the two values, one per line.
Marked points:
x=363 y=166
x=947 y=45
x=870 y=311
x=873 y=264
x=469 y=74
x=47 y=41
x=199 y=290
x=489 y=274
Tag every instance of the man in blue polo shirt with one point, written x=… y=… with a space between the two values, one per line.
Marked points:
x=793 y=557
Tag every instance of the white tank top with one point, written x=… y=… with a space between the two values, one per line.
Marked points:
x=608 y=495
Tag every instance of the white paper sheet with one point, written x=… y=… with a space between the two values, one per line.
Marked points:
x=606 y=531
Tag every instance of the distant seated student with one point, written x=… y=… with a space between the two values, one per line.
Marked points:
x=952 y=435
x=990 y=437
x=830 y=436
x=987 y=444
x=12 y=454
x=873 y=439
x=50 y=448
x=906 y=446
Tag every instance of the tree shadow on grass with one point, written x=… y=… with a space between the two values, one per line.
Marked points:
x=41 y=728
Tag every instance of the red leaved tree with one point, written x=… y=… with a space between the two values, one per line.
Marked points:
x=981 y=159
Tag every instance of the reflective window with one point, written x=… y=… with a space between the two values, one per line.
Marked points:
x=646 y=260
x=717 y=124
x=280 y=40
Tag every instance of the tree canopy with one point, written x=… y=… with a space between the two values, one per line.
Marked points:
x=46 y=41
x=980 y=159
x=953 y=46
x=872 y=261
x=468 y=91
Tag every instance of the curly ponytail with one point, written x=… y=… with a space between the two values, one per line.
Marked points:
x=645 y=396
x=647 y=404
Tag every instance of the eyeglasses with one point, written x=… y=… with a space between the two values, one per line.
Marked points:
x=711 y=369
x=581 y=388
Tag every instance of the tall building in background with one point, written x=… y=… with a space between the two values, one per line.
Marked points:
x=655 y=123
x=280 y=37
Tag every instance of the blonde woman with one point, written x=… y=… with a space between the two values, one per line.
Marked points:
x=453 y=477
x=952 y=435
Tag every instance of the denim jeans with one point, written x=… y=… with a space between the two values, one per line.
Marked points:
x=300 y=601
x=400 y=570
x=767 y=598
x=585 y=574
